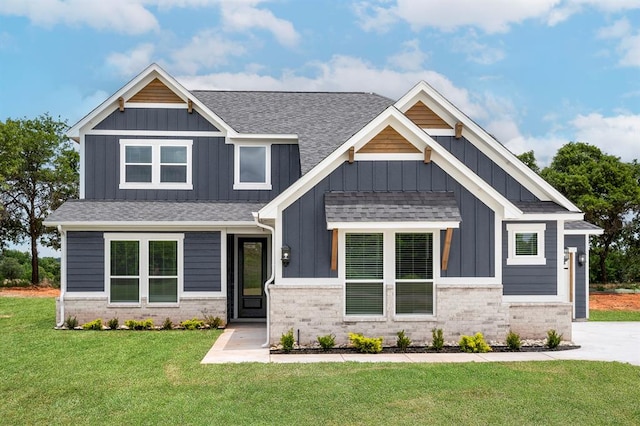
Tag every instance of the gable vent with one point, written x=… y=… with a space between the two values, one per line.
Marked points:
x=388 y=141
x=425 y=118
x=156 y=92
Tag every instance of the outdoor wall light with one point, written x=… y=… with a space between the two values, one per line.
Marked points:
x=582 y=259
x=286 y=255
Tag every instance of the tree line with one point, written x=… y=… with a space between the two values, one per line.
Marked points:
x=39 y=170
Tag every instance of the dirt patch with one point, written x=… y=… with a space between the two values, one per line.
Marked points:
x=32 y=291
x=614 y=302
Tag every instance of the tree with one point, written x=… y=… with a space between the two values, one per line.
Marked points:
x=602 y=186
x=42 y=174
x=529 y=159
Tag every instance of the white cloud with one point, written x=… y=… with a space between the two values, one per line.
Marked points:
x=628 y=41
x=206 y=49
x=243 y=15
x=120 y=16
x=477 y=52
x=133 y=61
x=616 y=135
x=411 y=58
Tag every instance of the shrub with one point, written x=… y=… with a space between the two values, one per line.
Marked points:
x=553 y=339
x=327 y=342
x=71 y=322
x=367 y=345
x=475 y=344
x=437 y=339
x=513 y=341
x=212 y=322
x=93 y=325
x=287 y=340
x=403 y=342
x=167 y=324
x=192 y=324
x=10 y=269
x=139 y=325
x=113 y=323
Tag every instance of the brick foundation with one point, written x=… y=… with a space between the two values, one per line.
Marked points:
x=89 y=309
x=533 y=320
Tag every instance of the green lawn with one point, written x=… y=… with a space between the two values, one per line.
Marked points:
x=93 y=377
x=614 y=315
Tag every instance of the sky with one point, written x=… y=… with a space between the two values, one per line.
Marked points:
x=534 y=73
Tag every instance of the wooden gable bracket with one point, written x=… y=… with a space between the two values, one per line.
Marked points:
x=189 y=106
x=459 y=127
x=352 y=154
x=334 y=250
x=446 y=249
x=427 y=155
x=121 y=104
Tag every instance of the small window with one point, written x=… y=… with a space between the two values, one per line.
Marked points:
x=526 y=244
x=364 y=289
x=161 y=164
x=252 y=167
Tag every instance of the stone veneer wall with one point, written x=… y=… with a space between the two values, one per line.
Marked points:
x=318 y=310
x=533 y=320
x=89 y=308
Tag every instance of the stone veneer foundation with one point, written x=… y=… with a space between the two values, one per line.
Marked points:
x=90 y=308
x=313 y=311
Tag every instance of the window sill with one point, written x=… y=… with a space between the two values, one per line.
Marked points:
x=514 y=261
x=252 y=186
x=124 y=305
x=361 y=318
x=163 y=305
x=131 y=185
x=413 y=318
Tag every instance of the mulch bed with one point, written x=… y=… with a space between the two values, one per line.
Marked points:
x=417 y=349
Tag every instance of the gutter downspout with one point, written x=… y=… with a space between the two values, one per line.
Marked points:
x=273 y=269
x=63 y=272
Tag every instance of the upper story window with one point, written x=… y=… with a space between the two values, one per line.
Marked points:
x=526 y=244
x=252 y=168
x=155 y=164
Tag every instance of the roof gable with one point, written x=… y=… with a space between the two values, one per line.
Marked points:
x=425 y=118
x=156 y=92
x=388 y=141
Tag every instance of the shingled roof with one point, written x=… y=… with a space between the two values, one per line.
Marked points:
x=322 y=120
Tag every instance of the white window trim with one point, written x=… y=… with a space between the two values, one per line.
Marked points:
x=266 y=185
x=519 y=228
x=143 y=265
x=155 y=145
x=389 y=279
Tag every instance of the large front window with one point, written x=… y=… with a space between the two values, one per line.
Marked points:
x=143 y=266
x=367 y=269
x=162 y=164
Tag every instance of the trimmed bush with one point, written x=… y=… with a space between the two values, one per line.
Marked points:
x=93 y=325
x=167 y=324
x=367 y=345
x=403 y=342
x=513 y=341
x=474 y=344
x=192 y=324
x=287 y=341
x=213 y=322
x=327 y=342
x=553 y=339
x=139 y=325
x=437 y=339
x=113 y=323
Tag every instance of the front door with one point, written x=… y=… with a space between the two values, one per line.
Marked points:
x=252 y=273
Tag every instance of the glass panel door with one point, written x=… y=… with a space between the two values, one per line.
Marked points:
x=252 y=273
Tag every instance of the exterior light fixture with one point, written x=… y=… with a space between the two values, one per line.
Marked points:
x=582 y=259
x=286 y=255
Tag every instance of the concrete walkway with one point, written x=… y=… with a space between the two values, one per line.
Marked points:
x=599 y=341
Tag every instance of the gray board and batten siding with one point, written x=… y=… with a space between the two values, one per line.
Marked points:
x=162 y=119
x=532 y=280
x=86 y=261
x=305 y=227
x=487 y=169
x=581 y=295
x=212 y=172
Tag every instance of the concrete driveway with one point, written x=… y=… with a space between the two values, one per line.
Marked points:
x=599 y=341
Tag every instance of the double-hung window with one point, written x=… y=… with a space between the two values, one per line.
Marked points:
x=143 y=266
x=364 y=268
x=526 y=244
x=162 y=164
x=414 y=273
x=252 y=168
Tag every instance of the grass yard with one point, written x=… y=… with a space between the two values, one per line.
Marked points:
x=119 y=377
x=614 y=315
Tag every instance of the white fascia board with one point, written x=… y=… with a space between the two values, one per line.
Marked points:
x=146 y=226
x=583 y=231
x=180 y=133
x=550 y=216
x=137 y=83
x=394 y=225
x=488 y=144
x=261 y=138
